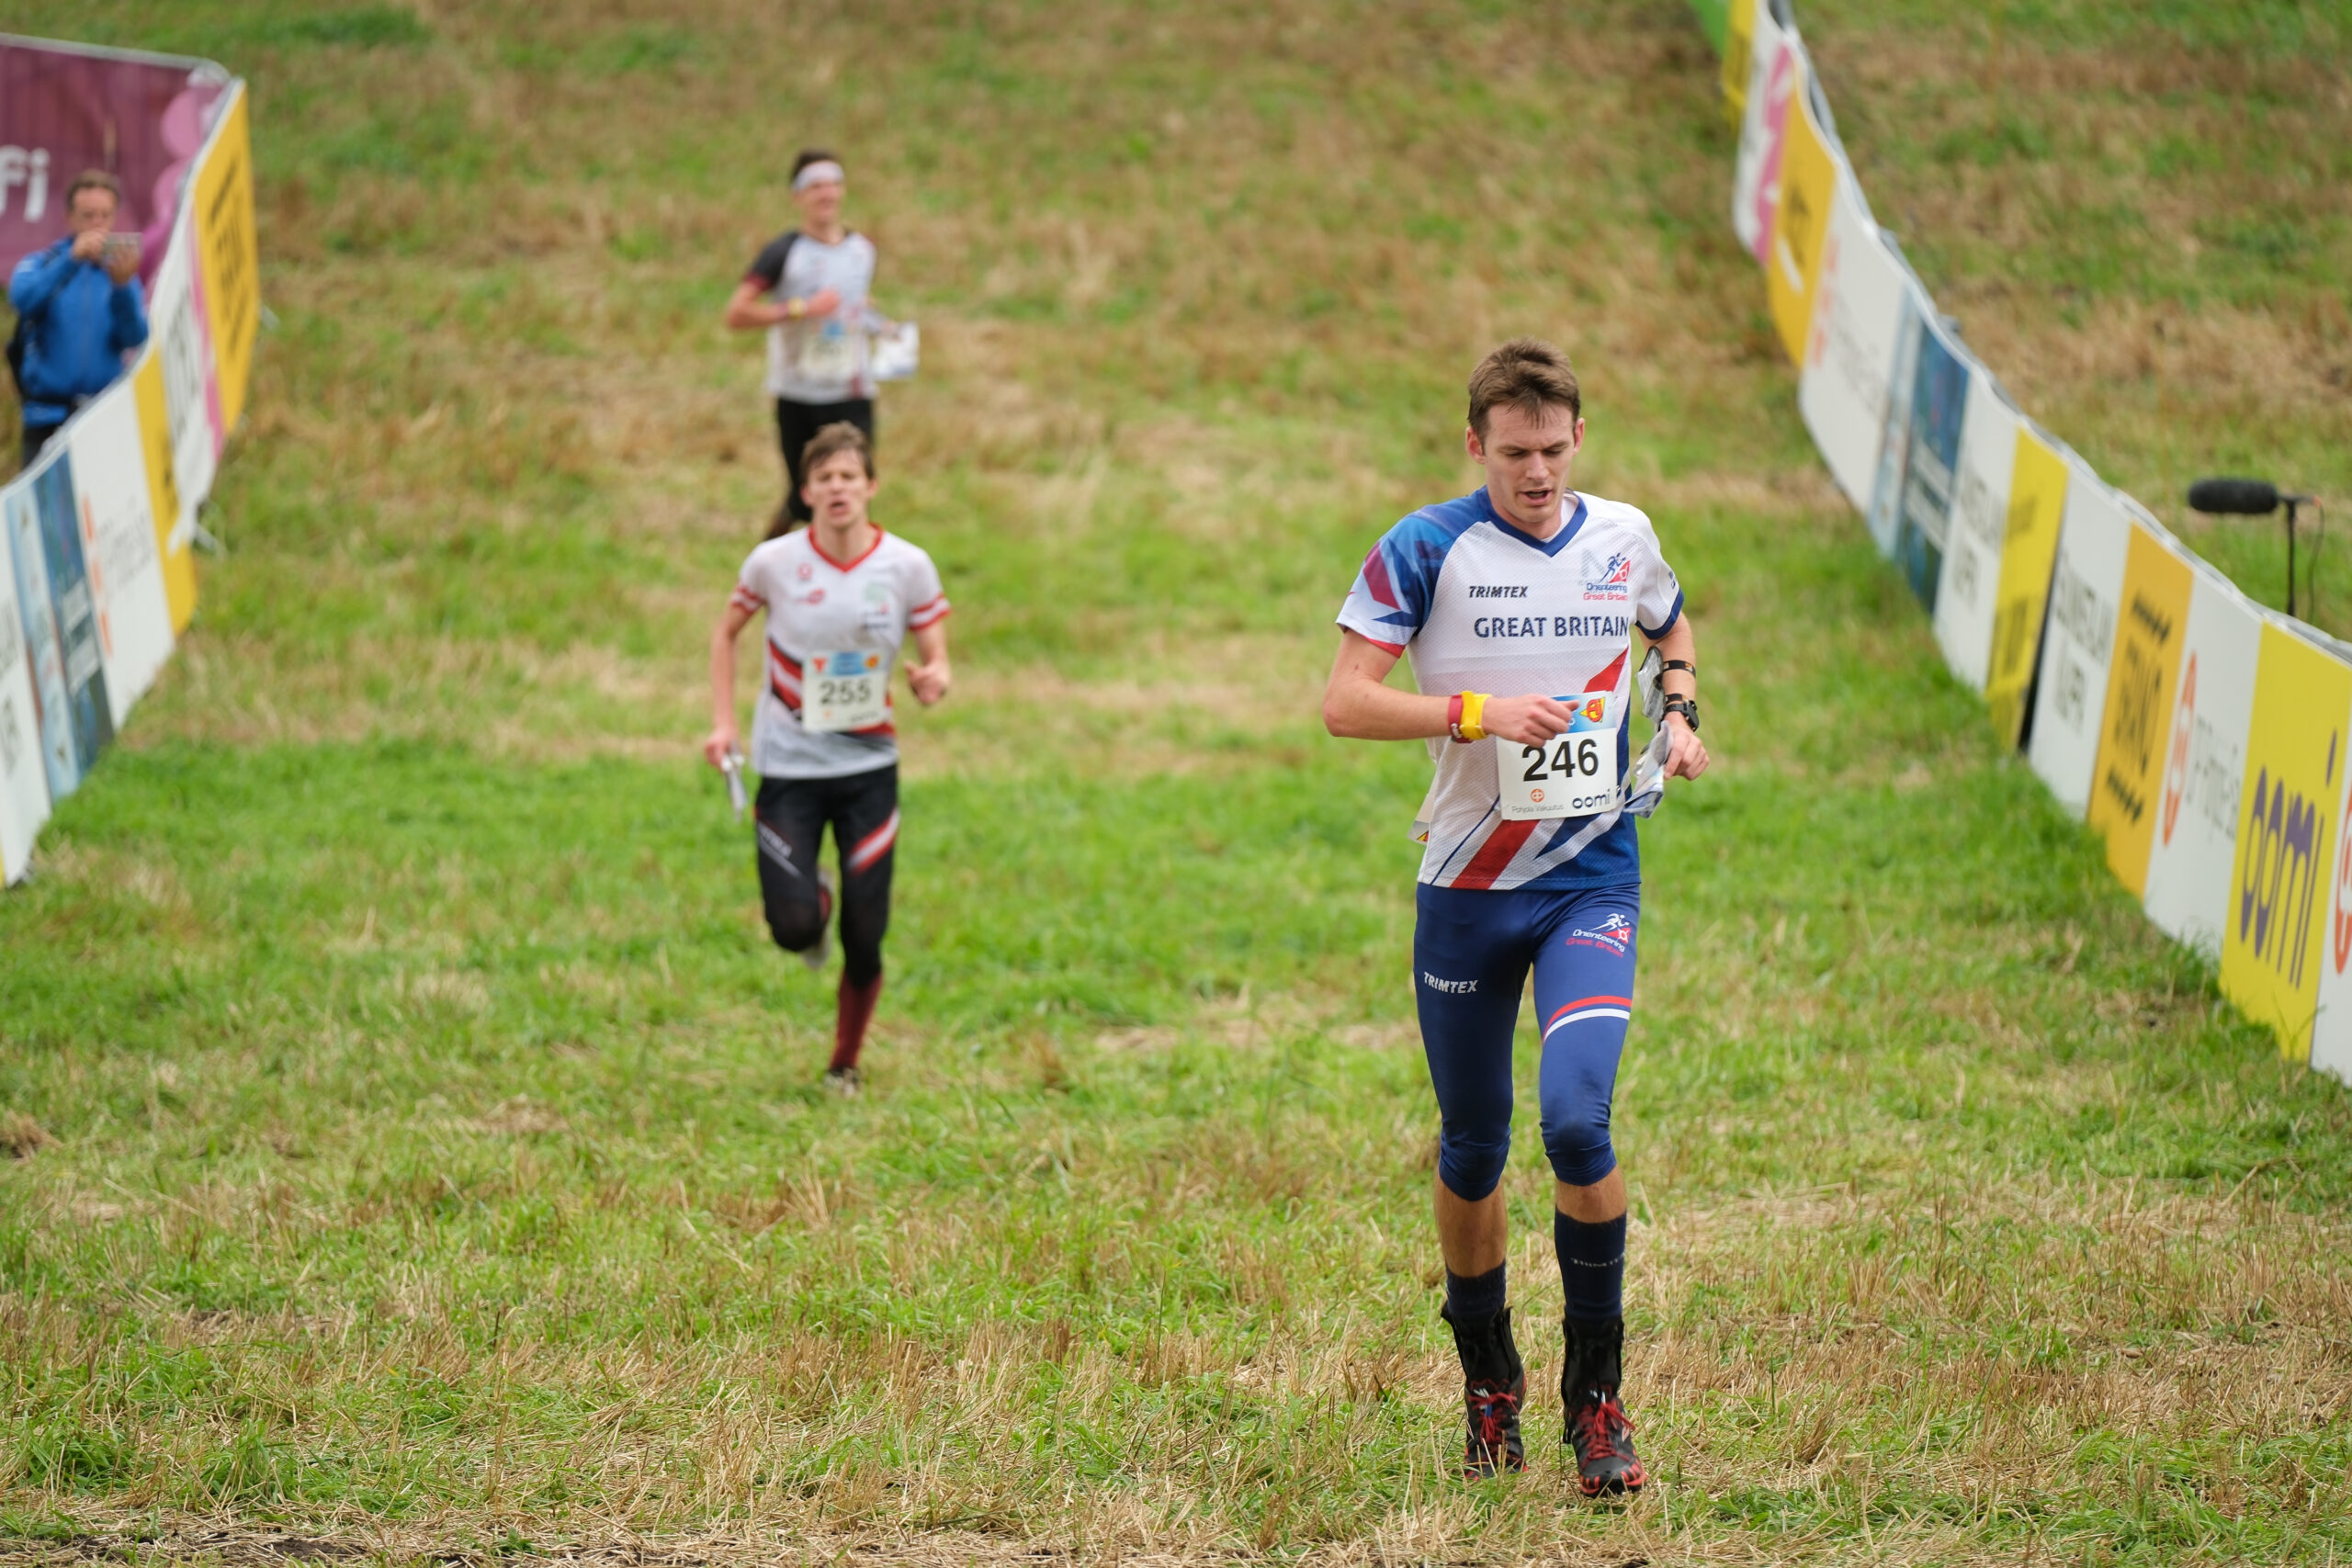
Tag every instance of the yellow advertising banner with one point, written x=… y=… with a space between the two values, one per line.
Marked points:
x=2142 y=677
x=155 y=446
x=2029 y=548
x=228 y=256
x=1792 y=261
x=1739 y=48
x=2294 y=774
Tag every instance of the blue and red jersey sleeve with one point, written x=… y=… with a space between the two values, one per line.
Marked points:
x=1398 y=583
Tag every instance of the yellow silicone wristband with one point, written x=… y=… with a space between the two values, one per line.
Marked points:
x=1474 y=708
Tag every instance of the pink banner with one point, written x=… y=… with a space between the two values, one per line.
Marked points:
x=140 y=118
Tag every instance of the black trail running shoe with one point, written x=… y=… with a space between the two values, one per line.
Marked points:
x=1492 y=1445
x=1602 y=1436
x=1597 y=1427
x=1494 y=1387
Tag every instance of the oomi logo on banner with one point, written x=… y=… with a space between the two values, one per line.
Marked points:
x=2270 y=940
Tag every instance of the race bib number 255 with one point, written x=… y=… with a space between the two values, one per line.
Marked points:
x=1574 y=775
x=850 y=689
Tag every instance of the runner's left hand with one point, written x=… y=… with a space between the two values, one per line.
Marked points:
x=1686 y=754
x=930 y=682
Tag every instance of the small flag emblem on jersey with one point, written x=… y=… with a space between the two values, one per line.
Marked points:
x=852 y=663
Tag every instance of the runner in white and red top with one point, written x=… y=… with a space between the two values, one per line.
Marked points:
x=842 y=597
x=1521 y=600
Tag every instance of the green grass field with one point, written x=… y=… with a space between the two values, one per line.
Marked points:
x=417 y=1146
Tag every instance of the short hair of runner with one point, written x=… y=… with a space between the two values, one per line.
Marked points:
x=94 y=179
x=812 y=155
x=1528 y=374
x=832 y=440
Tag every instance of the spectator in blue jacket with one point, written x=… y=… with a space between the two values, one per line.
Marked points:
x=81 y=309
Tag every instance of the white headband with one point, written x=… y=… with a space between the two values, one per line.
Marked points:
x=817 y=173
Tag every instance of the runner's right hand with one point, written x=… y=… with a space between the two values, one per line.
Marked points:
x=1529 y=720
x=718 y=744
x=824 y=302
x=90 y=245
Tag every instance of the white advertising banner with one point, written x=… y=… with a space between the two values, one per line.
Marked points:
x=2078 y=640
x=1911 y=499
x=181 y=342
x=1967 y=594
x=1846 y=383
x=2196 y=814
x=24 y=781
x=1775 y=75
x=118 y=542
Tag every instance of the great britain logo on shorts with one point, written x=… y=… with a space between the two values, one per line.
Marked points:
x=1611 y=580
x=1613 y=932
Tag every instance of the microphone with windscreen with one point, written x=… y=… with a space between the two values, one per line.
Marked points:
x=2238 y=498
x=2260 y=498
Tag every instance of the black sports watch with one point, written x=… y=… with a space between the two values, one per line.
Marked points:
x=1688 y=707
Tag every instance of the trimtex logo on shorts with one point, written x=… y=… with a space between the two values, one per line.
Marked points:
x=1450 y=988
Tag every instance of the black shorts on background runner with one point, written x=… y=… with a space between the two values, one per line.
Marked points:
x=862 y=811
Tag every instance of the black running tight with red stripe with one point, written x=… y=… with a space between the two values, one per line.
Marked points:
x=863 y=810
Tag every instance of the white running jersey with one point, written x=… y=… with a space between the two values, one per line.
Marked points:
x=1482 y=607
x=818 y=607
x=819 y=359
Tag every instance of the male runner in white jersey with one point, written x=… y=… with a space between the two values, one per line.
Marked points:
x=1518 y=599
x=841 y=597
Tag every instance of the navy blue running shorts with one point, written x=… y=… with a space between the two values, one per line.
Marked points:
x=1471 y=949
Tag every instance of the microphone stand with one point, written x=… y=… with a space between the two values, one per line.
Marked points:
x=2291 y=501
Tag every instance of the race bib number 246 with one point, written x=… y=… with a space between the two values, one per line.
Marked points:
x=1574 y=775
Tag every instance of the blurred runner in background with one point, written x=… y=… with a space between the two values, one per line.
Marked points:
x=811 y=289
x=841 y=598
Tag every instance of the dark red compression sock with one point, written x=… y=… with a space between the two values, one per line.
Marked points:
x=854 y=1009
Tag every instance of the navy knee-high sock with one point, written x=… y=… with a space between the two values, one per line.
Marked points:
x=1592 y=1266
x=1472 y=1300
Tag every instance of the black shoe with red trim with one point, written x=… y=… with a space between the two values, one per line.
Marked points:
x=1494 y=1387
x=1598 y=1428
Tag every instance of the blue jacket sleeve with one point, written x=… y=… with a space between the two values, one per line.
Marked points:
x=37 y=278
x=129 y=316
